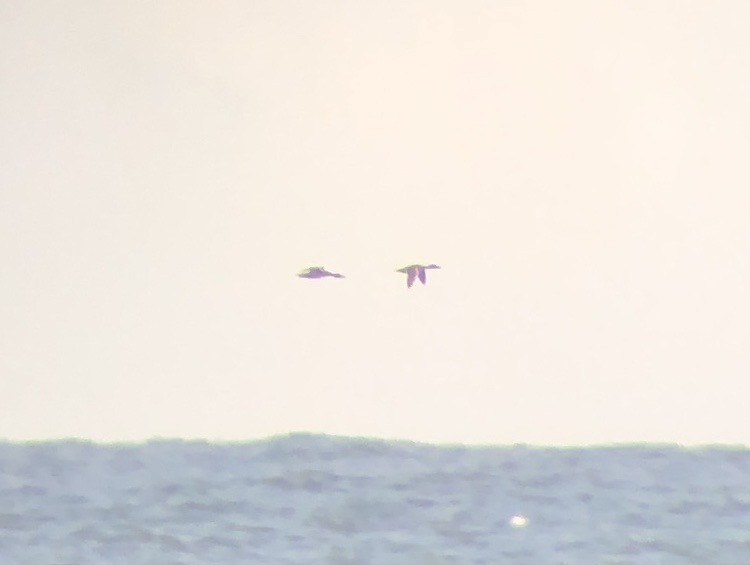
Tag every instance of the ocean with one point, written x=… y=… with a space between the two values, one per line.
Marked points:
x=313 y=499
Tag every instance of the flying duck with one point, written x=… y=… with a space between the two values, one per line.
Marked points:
x=318 y=273
x=414 y=271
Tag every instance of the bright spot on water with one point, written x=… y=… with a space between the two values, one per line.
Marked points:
x=519 y=521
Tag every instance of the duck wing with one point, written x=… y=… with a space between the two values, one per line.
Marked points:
x=422 y=275
x=410 y=276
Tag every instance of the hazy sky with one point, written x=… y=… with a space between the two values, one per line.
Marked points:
x=579 y=170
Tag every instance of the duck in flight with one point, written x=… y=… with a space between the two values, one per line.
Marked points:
x=414 y=271
x=318 y=273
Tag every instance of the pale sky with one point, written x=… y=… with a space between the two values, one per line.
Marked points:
x=578 y=169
